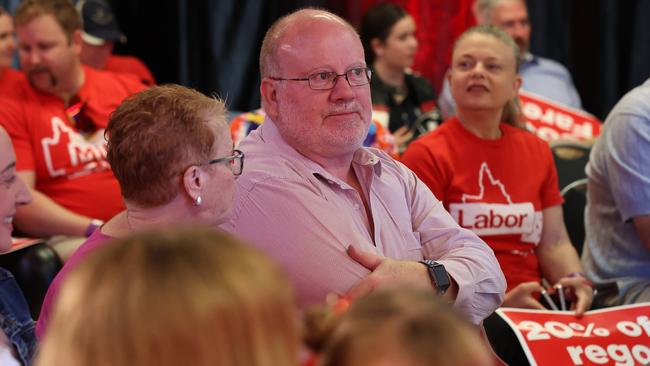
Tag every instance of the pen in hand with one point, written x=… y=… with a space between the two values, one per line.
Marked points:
x=560 y=293
x=548 y=299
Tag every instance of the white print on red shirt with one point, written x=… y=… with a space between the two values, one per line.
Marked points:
x=497 y=218
x=68 y=153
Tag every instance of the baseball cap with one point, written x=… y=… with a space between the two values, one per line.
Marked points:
x=99 y=23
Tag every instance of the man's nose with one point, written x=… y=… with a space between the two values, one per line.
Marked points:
x=342 y=89
x=31 y=56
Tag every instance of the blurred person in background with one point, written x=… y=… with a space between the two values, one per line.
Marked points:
x=57 y=125
x=176 y=296
x=617 y=217
x=10 y=79
x=399 y=326
x=542 y=76
x=402 y=101
x=100 y=32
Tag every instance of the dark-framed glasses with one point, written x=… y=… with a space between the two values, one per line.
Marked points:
x=324 y=80
x=235 y=161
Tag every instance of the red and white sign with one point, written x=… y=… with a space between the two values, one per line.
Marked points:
x=617 y=336
x=552 y=121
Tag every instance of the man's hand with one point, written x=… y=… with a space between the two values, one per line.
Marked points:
x=386 y=272
x=522 y=296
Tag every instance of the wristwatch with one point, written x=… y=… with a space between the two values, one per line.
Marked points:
x=438 y=275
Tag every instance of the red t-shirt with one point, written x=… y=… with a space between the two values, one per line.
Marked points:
x=12 y=83
x=70 y=167
x=130 y=65
x=496 y=188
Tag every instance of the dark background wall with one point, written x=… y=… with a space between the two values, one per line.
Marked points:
x=213 y=45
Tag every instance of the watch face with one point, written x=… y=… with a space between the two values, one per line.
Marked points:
x=438 y=275
x=441 y=278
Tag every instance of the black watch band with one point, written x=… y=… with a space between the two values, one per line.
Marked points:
x=438 y=275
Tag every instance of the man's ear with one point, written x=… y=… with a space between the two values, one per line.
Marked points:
x=76 y=41
x=194 y=180
x=268 y=92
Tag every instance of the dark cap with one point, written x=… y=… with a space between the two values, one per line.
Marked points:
x=99 y=22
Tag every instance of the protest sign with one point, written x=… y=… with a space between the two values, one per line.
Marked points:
x=617 y=336
x=552 y=121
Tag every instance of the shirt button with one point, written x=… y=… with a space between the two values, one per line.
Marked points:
x=356 y=206
x=330 y=181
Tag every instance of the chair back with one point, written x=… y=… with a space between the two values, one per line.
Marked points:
x=575 y=200
x=34 y=268
x=570 y=161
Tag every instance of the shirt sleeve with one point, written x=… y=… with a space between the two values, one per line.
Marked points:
x=574 y=98
x=550 y=191
x=466 y=257
x=627 y=165
x=12 y=119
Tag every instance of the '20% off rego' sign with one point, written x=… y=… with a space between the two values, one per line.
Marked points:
x=617 y=336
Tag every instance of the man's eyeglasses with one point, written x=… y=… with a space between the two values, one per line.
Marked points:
x=325 y=80
x=235 y=161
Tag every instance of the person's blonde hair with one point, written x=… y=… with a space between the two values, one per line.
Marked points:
x=411 y=324
x=512 y=110
x=184 y=296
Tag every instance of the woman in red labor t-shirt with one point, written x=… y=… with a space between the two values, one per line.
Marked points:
x=496 y=178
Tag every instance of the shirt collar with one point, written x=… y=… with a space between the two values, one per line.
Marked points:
x=528 y=57
x=270 y=134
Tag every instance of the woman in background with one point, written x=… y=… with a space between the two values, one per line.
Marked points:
x=12 y=81
x=499 y=180
x=179 y=296
x=402 y=101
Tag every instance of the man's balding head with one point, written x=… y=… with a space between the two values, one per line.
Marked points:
x=509 y=15
x=290 y=25
x=320 y=123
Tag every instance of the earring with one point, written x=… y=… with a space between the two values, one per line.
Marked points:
x=197 y=201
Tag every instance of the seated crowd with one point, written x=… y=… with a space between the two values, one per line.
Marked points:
x=184 y=246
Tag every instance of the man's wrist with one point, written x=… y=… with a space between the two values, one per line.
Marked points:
x=438 y=275
x=94 y=225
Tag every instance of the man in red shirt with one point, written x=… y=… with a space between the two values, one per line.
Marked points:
x=57 y=124
x=99 y=35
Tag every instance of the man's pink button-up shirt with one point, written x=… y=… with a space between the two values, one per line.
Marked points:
x=304 y=218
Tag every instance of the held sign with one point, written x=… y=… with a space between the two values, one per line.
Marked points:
x=552 y=121
x=617 y=336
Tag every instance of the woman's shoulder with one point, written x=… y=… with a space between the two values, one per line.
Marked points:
x=522 y=133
